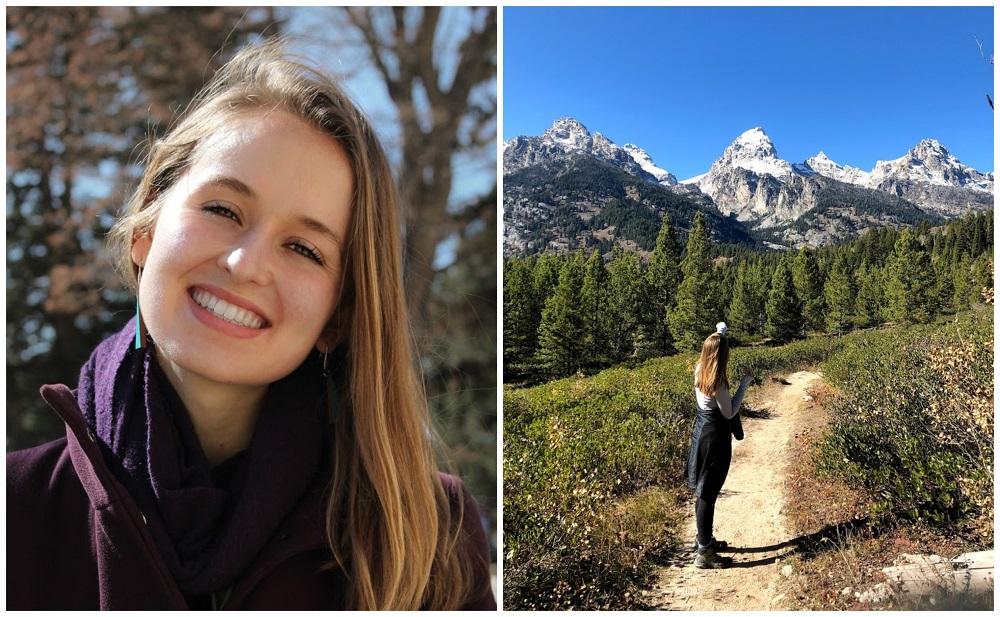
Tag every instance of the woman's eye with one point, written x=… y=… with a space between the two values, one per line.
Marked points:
x=305 y=251
x=222 y=210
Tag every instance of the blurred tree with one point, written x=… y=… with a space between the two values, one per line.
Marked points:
x=466 y=372
x=438 y=66
x=445 y=106
x=86 y=85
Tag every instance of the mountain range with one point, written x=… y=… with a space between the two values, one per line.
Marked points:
x=749 y=190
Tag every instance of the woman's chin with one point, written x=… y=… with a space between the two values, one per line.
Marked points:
x=209 y=363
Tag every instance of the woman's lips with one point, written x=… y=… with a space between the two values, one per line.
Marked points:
x=233 y=299
x=211 y=320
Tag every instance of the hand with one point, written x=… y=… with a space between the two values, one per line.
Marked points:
x=747 y=375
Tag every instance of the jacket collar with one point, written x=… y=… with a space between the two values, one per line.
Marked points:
x=301 y=531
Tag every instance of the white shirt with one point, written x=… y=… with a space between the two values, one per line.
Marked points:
x=729 y=407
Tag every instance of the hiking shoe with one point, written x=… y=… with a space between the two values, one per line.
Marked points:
x=716 y=545
x=707 y=560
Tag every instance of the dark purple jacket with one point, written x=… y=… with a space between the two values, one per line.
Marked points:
x=77 y=540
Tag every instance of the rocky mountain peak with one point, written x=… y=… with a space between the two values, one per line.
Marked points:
x=753 y=151
x=570 y=133
x=645 y=161
x=930 y=149
x=825 y=166
x=568 y=137
x=930 y=163
x=754 y=143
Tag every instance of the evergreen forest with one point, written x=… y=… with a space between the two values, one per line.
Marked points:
x=578 y=313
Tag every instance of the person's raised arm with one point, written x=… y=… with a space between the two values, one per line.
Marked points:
x=729 y=407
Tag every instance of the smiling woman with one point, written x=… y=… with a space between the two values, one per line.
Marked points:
x=257 y=436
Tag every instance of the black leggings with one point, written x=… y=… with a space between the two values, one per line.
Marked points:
x=704 y=515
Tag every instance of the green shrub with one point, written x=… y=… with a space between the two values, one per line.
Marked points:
x=913 y=422
x=587 y=462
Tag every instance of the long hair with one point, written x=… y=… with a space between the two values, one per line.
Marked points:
x=713 y=364
x=389 y=522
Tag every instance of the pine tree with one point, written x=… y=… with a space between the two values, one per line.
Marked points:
x=909 y=284
x=963 y=287
x=594 y=305
x=744 y=309
x=623 y=300
x=784 y=309
x=760 y=277
x=698 y=305
x=648 y=319
x=809 y=288
x=982 y=273
x=839 y=293
x=520 y=324
x=870 y=303
x=545 y=277
x=943 y=289
x=663 y=276
x=560 y=335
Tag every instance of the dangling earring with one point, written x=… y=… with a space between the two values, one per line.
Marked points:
x=331 y=400
x=140 y=331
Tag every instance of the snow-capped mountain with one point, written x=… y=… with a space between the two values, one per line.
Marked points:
x=640 y=156
x=822 y=164
x=931 y=163
x=566 y=137
x=748 y=187
x=750 y=181
x=580 y=201
x=754 y=151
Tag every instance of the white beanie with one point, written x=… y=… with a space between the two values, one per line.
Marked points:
x=721 y=328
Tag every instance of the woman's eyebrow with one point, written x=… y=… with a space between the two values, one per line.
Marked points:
x=242 y=188
x=318 y=227
x=231 y=183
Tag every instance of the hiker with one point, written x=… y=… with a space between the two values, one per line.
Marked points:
x=716 y=422
x=256 y=437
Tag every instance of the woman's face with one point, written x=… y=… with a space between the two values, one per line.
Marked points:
x=245 y=265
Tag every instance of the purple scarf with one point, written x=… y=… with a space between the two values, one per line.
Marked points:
x=208 y=535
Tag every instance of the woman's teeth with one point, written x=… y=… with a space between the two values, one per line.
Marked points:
x=227 y=311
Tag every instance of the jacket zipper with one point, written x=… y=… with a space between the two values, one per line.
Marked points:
x=219 y=598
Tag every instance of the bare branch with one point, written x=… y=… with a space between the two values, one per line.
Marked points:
x=360 y=18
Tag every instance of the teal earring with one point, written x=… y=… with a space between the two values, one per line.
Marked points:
x=140 y=332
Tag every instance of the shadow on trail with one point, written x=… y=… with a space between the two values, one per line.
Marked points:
x=830 y=537
x=764 y=413
x=814 y=544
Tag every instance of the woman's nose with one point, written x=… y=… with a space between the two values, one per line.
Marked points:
x=247 y=262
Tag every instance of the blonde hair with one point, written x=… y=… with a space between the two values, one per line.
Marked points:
x=389 y=522
x=713 y=363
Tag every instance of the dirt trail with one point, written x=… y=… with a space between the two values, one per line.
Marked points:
x=748 y=513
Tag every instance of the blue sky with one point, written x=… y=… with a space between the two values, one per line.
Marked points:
x=859 y=83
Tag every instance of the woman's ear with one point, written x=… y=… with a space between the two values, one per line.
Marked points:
x=141 y=243
x=335 y=331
